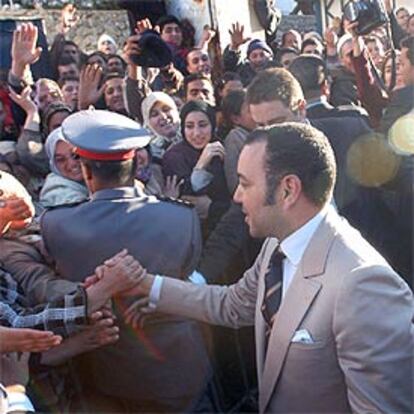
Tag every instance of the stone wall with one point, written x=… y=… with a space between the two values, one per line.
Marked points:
x=115 y=23
x=91 y=25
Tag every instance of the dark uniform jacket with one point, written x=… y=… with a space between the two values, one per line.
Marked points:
x=166 y=360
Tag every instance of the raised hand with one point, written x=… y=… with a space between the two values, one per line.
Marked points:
x=132 y=48
x=206 y=36
x=27 y=340
x=24 y=50
x=142 y=25
x=211 y=150
x=89 y=86
x=330 y=37
x=237 y=36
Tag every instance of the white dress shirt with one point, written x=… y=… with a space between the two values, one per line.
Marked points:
x=294 y=247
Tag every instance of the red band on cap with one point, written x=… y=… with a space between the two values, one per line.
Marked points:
x=108 y=156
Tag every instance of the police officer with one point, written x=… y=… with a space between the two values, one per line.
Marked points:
x=163 y=366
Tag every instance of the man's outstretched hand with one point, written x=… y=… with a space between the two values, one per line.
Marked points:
x=27 y=340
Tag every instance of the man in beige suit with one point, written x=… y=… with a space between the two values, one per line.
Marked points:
x=340 y=338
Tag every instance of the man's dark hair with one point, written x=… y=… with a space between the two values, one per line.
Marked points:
x=67 y=78
x=232 y=105
x=113 y=75
x=193 y=77
x=311 y=72
x=276 y=84
x=302 y=150
x=71 y=43
x=168 y=19
x=226 y=77
x=281 y=52
x=116 y=173
x=115 y=56
x=310 y=41
x=66 y=60
x=97 y=53
x=408 y=42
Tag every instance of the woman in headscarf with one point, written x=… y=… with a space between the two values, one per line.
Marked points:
x=161 y=118
x=197 y=161
x=64 y=185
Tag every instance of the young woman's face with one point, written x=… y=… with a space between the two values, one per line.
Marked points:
x=197 y=129
x=399 y=80
x=164 y=120
x=66 y=163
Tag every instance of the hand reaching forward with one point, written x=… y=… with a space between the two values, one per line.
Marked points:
x=172 y=186
x=27 y=340
x=15 y=213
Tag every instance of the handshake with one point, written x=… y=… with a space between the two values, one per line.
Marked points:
x=121 y=275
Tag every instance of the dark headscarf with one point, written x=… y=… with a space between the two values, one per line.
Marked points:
x=198 y=106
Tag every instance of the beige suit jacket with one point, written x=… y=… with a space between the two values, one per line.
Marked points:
x=357 y=310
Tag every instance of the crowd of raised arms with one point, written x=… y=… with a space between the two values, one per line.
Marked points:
x=118 y=172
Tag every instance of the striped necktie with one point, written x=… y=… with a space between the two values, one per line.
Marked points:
x=273 y=288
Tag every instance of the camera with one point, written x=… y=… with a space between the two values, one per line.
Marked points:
x=369 y=14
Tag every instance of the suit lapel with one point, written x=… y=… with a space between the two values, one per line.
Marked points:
x=297 y=301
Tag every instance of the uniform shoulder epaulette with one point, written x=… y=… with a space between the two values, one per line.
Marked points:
x=65 y=205
x=176 y=201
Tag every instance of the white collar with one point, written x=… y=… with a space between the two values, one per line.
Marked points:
x=295 y=245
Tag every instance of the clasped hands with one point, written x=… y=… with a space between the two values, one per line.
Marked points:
x=124 y=277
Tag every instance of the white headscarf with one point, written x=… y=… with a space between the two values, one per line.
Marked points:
x=50 y=146
x=159 y=143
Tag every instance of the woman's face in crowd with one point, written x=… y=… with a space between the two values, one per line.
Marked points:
x=399 y=80
x=66 y=163
x=197 y=129
x=113 y=94
x=164 y=120
x=376 y=52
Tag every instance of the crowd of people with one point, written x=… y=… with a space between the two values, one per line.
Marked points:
x=116 y=172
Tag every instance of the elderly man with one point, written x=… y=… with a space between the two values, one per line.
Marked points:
x=333 y=321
